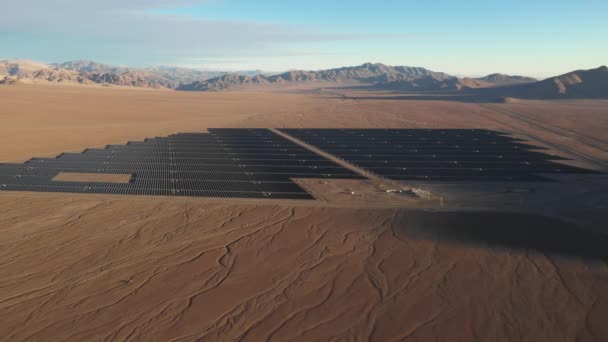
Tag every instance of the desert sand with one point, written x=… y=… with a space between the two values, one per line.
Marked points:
x=76 y=267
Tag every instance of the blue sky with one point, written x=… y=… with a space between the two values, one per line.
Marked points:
x=537 y=38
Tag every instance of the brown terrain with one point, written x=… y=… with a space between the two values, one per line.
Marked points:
x=368 y=75
x=582 y=84
x=103 y=267
x=375 y=77
x=184 y=79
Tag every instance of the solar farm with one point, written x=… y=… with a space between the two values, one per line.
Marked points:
x=448 y=155
x=257 y=163
x=243 y=163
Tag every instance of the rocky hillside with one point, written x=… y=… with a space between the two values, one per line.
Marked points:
x=18 y=68
x=225 y=82
x=372 y=75
x=92 y=73
x=366 y=74
x=591 y=83
x=183 y=75
x=577 y=84
x=378 y=76
x=502 y=79
x=18 y=71
x=90 y=67
x=140 y=79
x=78 y=72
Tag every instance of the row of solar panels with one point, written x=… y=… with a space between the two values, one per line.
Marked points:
x=181 y=184
x=135 y=168
x=496 y=157
x=322 y=168
x=439 y=134
x=256 y=163
x=166 y=174
x=225 y=163
x=154 y=192
x=347 y=149
x=394 y=155
x=500 y=163
x=183 y=162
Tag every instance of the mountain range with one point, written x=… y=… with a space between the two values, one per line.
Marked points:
x=591 y=83
x=577 y=84
x=92 y=73
x=370 y=75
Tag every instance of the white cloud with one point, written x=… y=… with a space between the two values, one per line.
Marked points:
x=125 y=30
x=71 y=6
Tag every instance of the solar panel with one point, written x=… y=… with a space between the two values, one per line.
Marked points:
x=233 y=163
x=438 y=154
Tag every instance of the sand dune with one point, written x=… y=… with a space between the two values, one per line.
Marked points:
x=104 y=267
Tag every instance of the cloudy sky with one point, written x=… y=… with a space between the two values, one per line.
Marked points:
x=537 y=38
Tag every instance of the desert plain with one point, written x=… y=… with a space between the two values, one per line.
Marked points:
x=103 y=267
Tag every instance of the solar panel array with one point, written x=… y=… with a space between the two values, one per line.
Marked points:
x=437 y=154
x=243 y=163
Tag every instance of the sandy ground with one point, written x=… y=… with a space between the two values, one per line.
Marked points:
x=92 y=177
x=102 y=267
x=46 y=120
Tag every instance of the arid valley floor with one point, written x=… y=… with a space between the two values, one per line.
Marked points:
x=103 y=267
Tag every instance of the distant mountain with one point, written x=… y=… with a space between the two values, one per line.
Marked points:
x=366 y=74
x=433 y=83
x=90 y=67
x=250 y=73
x=183 y=75
x=90 y=72
x=493 y=80
x=426 y=83
x=375 y=75
x=148 y=77
x=140 y=79
x=228 y=81
x=17 y=67
x=23 y=71
x=577 y=84
x=378 y=76
x=60 y=76
x=502 y=79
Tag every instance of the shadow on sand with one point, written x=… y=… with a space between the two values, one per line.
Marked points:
x=517 y=231
x=379 y=94
x=422 y=97
x=501 y=94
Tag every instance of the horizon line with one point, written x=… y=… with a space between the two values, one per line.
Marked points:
x=265 y=71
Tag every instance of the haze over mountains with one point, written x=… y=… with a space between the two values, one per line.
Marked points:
x=92 y=73
x=578 y=84
x=373 y=75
